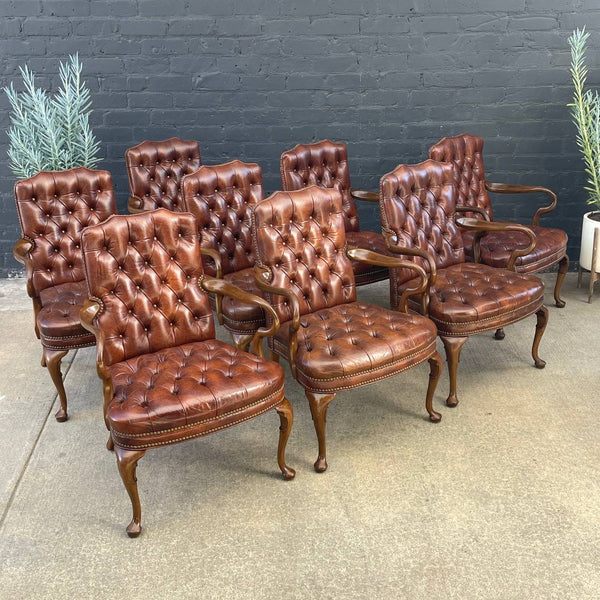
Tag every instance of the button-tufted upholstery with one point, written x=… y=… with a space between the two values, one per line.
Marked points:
x=155 y=171
x=325 y=164
x=465 y=153
x=221 y=198
x=417 y=209
x=53 y=209
x=332 y=342
x=166 y=379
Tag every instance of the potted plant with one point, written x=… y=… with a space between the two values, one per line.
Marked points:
x=585 y=110
x=51 y=133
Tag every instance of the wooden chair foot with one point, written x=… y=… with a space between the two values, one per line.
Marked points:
x=286 y=418
x=435 y=370
x=51 y=359
x=499 y=335
x=127 y=462
x=318 y=410
x=563 y=267
x=540 y=327
x=453 y=346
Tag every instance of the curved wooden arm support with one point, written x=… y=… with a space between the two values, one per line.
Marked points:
x=507 y=188
x=87 y=314
x=134 y=205
x=374 y=258
x=224 y=288
x=22 y=250
x=472 y=209
x=22 y=253
x=391 y=241
x=263 y=276
x=483 y=226
x=216 y=258
x=364 y=195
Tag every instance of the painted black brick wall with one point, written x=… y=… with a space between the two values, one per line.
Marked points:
x=251 y=78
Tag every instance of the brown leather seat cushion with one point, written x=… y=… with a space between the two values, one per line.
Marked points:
x=497 y=246
x=242 y=317
x=58 y=320
x=364 y=273
x=188 y=391
x=352 y=344
x=469 y=298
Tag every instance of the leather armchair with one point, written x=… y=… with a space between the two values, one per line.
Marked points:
x=155 y=171
x=418 y=214
x=325 y=164
x=221 y=198
x=165 y=377
x=465 y=153
x=53 y=208
x=331 y=341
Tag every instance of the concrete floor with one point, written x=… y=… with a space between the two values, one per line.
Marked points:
x=499 y=501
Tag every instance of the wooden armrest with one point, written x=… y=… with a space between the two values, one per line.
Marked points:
x=216 y=258
x=391 y=241
x=263 y=277
x=87 y=314
x=224 y=288
x=374 y=258
x=483 y=226
x=134 y=205
x=473 y=209
x=364 y=195
x=22 y=249
x=507 y=188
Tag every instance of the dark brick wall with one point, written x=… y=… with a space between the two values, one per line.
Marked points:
x=250 y=78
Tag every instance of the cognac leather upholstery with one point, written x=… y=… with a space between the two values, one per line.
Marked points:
x=497 y=246
x=221 y=198
x=53 y=208
x=325 y=164
x=469 y=298
x=155 y=171
x=417 y=208
x=465 y=153
x=336 y=343
x=352 y=344
x=167 y=378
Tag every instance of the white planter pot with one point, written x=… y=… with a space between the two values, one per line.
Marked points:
x=587 y=243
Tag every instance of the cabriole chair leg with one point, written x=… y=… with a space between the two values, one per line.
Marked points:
x=542 y=321
x=563 y=267
x=453 y=346
x=127 y=462
x=286 y=418
x=318 y=410
x=52 y=359
x=435 y=370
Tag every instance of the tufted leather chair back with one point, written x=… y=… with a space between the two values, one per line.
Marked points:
x=155 y=170
x=144 y=270
x=300 y=237
x=221 y=198
x=54 y=207
x=417 y=205
x=465 y=152
x=324 y=164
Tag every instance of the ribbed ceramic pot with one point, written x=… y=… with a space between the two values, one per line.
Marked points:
x=591 y=222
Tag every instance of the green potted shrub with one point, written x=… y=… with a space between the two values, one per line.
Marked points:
x=51 y=133
x=585 y=110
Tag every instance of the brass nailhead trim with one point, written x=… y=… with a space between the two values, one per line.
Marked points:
x=237 y=410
